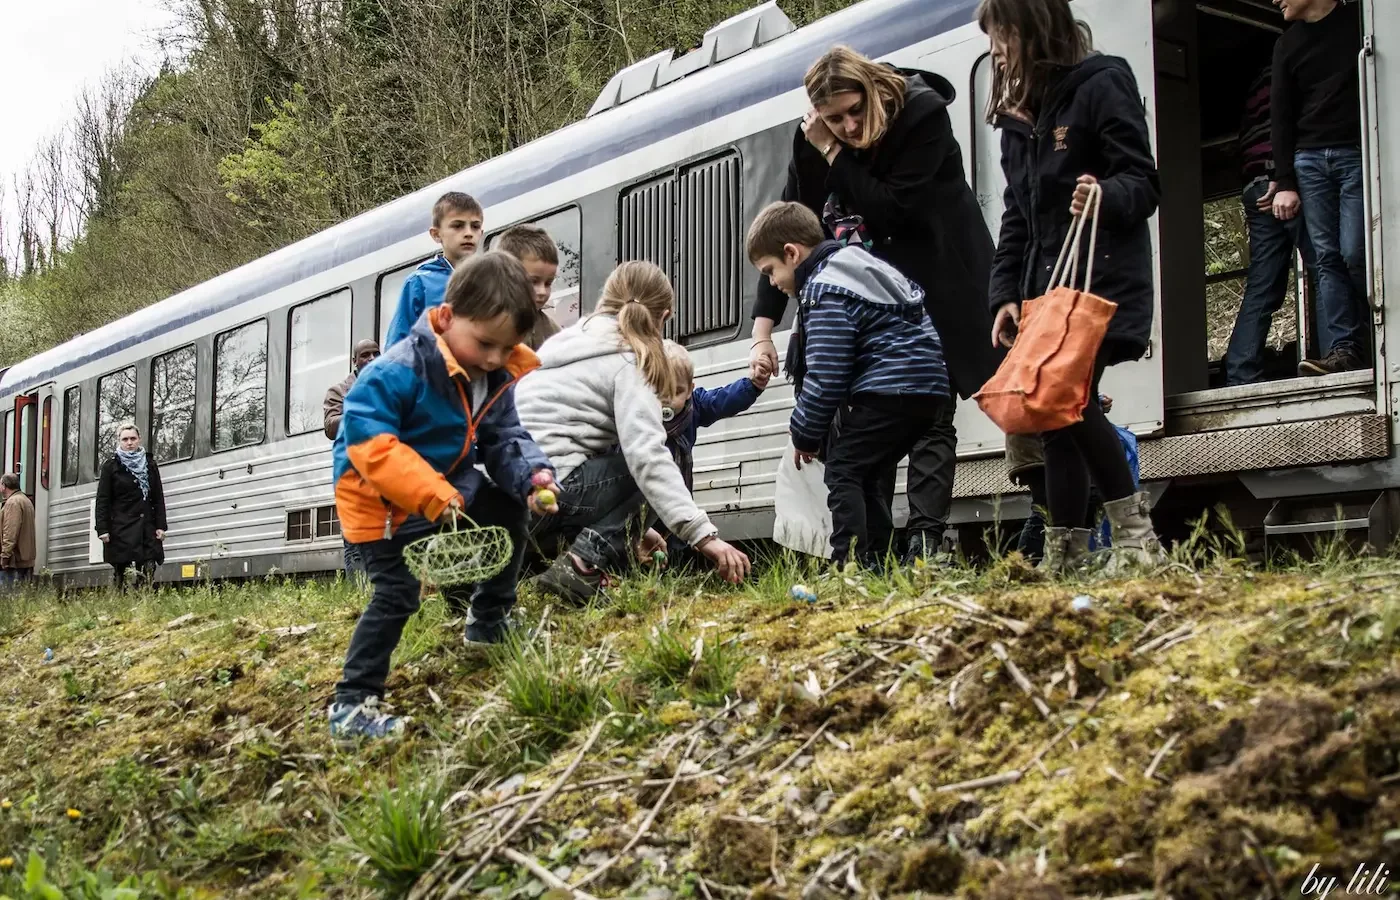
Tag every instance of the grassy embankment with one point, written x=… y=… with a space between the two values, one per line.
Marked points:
x=1209 y=732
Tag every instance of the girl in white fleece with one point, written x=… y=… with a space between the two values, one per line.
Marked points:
x=597 y=389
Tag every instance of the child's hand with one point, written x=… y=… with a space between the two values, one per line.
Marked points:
x=453 y=511
x=650 y=543
x=731 y=562
x=759 y=375
x=543 y=499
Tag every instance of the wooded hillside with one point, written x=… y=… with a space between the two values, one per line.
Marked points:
x=272 y=119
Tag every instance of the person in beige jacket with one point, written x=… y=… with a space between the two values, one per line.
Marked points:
x=17 y=551
x=366 y=352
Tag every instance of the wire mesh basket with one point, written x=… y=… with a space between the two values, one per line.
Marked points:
x=461 y=553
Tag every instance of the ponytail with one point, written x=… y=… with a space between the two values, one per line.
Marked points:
x=639 y=294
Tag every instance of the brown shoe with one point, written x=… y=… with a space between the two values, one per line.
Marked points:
x=1341 y=359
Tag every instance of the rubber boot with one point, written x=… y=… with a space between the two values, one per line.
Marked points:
x=1135 y=544
x=1065 y=550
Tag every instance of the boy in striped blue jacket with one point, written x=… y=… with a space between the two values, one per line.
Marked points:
x=869 y=352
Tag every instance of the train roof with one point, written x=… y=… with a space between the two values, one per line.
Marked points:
x=874 y=27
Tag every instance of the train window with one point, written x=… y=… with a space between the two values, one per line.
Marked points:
x=566 y=227
x=45 y=435
x=240 y=386
x=390 y=286
x=318 y=347
x=172 y=405
x=72 y=411
x=299 y=525
x=327 y=522
x=116 y=404
x=688 y=224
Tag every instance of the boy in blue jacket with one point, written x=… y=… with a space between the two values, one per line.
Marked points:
x=415 y=425
x=691 y=409
x=457 y=225
x=871 y=353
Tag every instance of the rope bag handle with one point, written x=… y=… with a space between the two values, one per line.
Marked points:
x=1066 y=275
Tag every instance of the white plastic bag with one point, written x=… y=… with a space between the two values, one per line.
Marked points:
x=801 y=520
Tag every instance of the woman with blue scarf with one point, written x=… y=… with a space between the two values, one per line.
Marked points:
x=130 y=516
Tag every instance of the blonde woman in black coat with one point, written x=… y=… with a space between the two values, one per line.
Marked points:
x=130 y=516
x=877 y=160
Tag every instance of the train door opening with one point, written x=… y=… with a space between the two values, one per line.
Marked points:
x=1211 y=59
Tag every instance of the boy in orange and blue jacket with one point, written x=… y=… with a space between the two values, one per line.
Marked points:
x=415 y=424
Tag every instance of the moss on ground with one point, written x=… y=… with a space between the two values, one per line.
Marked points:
x=761 y=746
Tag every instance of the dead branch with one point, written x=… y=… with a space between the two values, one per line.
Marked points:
x=796 y=753
x=646 y=823
x=1159 y=641
x=1064 y=732
x=543 y=874
x=544 y=798
x=1008 y=777
x=1160 y=755
x=999 y=650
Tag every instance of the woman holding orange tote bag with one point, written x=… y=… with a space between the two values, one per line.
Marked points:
x=1072 y=119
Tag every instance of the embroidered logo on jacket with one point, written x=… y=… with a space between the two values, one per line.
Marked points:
x=1061 y=133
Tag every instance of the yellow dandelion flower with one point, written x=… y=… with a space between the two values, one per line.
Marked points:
x=74 y=814
x=7 y=862
x=5 y=804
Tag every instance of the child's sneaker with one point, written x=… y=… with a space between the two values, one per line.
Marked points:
x=565 y=581
x=349 y=721
x=487 y=632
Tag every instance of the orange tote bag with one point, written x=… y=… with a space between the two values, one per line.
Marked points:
x=1043 y=383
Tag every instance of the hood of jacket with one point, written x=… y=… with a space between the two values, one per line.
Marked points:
x=925 y=92
x=592 y=337
x=856 y=272
x=1069 y=79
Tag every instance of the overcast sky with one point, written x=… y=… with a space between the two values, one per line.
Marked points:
x=49 y=49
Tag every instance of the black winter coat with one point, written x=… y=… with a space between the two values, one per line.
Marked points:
x=920 y=212
x=126 y=517
x=1091 y=123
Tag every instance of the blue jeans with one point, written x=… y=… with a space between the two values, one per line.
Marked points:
x=396 y=593
x=353 y=563
x=1329 y=182
x=601 y=515
x=1271 y=246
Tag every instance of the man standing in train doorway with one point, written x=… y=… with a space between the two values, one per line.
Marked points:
x=1316 y=125
x=366 y=352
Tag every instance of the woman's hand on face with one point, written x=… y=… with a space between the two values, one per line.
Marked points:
x=1007 y=323
x=816 y=130
x=1081 y=194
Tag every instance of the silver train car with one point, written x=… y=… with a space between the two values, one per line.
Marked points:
x=675 y=158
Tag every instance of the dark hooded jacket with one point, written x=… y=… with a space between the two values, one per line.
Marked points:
x=912 y=192
x=1090 y=123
